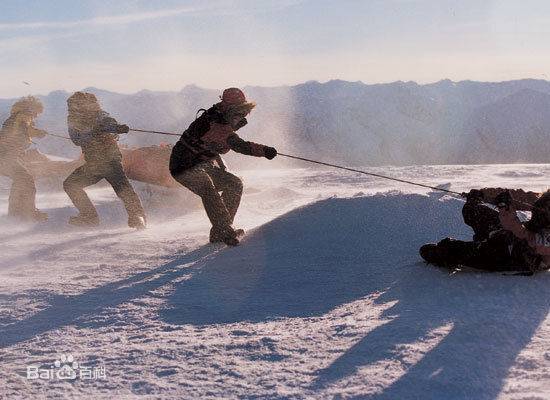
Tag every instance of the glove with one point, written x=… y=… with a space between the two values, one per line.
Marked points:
x=220 y=163
x=41 y=133
x=122 y=129
x=269 y=152
x=474 y=195
x=503 y=200
x=240 y=124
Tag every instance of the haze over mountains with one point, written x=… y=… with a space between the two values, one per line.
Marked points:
x=398 y=123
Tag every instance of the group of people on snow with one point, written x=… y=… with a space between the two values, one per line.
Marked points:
x=195 y=161
x=500 y=243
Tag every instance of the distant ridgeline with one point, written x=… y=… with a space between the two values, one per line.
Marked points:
x=353 y=123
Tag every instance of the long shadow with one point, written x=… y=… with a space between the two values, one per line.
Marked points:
x=493 y=317
x=74 y=310
x=316 y=258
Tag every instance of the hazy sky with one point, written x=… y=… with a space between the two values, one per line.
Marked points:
x=128 y=45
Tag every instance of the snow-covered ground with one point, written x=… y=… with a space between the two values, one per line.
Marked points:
x=325 y=298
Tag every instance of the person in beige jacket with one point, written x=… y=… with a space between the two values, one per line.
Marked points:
x=15 y=138
x=96 y=132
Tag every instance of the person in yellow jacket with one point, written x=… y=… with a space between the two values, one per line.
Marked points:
x=15 y=138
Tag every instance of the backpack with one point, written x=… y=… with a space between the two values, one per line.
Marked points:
x=190 y=150
x=198 y=128
x=193 y=134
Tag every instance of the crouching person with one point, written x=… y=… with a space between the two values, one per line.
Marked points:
x=501 y=242
x=195 y=161
x=97 y=133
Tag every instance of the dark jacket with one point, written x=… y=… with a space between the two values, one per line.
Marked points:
x=206 y=138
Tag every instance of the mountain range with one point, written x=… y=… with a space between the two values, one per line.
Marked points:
x=353 y=123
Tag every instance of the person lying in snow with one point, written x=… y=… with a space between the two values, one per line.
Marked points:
x=501 y=242
x=195 y=161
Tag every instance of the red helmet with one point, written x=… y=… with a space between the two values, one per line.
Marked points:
x=233 y=96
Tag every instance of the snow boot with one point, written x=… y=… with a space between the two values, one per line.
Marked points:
x=447 y=253
x=29 y=216
x=137 y=222
x=84 y=220
x=229 y=236
x=39 y=216
x=431 y=253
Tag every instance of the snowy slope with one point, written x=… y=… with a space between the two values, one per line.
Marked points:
x=327 y=296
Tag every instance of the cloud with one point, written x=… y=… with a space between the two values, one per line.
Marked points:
x=23 y=43
x=105 y=20
x=216 y=7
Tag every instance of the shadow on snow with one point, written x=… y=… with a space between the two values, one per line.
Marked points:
x=329 y=253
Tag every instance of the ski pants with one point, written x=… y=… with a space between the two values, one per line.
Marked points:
x=23 y=190
x=91 y=173
x=207 y=181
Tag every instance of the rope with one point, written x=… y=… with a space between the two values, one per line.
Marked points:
x=328 y=165
x=132 y=129
x=526 y=205
x=157 y=132
x=58 y=136
x=311 y=161
x=371 y=174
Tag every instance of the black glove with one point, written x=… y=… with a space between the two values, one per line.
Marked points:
x=122 y=129
x=269 y=152
x=240 y=124
x=504 y=200
x=474 y=195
